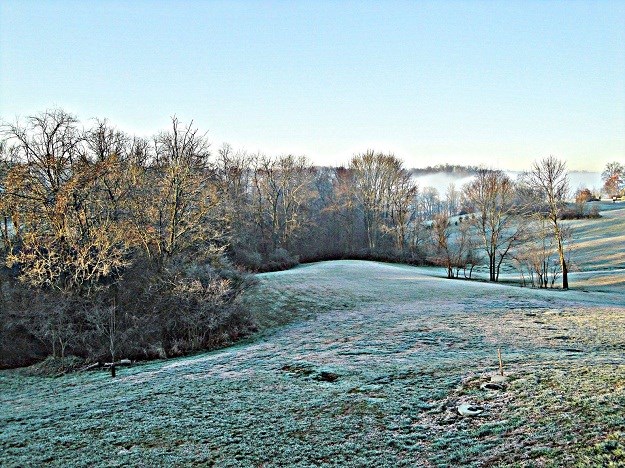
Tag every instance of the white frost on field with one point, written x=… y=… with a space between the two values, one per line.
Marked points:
x=373 y=375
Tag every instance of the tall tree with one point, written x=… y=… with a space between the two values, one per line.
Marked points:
x=452 y=198
x=345 y=215
x=283 y=188
x=48 y=148
x=538 y=257
x=52 y=187
x=402 y=207
x=549 y=180
x=374 y=177
x=430 y=202
x=452 y=248
x=492 y=195
x=234 y=174
x=186 y=197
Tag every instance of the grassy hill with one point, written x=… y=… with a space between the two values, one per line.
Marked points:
x=599 y=250
x=367 y=369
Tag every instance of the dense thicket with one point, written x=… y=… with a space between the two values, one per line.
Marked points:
x=116 y=246
x=113 y=246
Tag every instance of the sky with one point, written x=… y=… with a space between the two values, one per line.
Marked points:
x=494 y=83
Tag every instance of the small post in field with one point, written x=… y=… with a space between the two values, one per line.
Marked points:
x=500 y=361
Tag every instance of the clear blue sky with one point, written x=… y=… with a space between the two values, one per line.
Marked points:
x=495 y=83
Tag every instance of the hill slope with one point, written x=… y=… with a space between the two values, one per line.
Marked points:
x=599 y=250
x=371 y=378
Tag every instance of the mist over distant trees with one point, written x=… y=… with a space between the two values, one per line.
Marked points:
x=453 y=169
x=114 y=245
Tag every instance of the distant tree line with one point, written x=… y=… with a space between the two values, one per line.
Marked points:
x=114 y=245
x=452 y=169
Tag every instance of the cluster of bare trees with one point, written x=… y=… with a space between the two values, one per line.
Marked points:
x=283 y=209
x=514 y=222
x=108 y=233
x=112 y=244
x=132 y=245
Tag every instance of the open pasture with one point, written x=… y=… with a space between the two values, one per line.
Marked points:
x=368 y=369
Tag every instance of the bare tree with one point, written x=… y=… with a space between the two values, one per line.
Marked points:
x=282 y=190
x=492 y=195
x=297 y=192
x=538 y=257
x=548 y=179
x=430 y=202
x=47 y=147
x=442 y=250
x=375 y=176
x=402 y=207
x=452 y=248
x=344 y=210
x=368 y=185
x=452 y=199
x=186 y=198
x=233 y=171
x=66 y=239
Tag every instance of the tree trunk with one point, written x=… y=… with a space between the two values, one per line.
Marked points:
x=565 y=272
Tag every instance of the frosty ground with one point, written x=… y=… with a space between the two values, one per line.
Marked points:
x=365 y=366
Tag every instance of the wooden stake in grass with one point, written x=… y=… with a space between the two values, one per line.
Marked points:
x=500 y=361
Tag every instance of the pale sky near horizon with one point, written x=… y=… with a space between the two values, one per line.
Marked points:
x=464 y=82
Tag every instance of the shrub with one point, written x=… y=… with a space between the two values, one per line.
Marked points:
x=280 y=259
x=248 y=259
x=583 y=196
x=52 y=366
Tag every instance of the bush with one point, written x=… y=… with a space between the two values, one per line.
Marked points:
x=250 y=260
x=584 y=196
x=577 y=213
x=204 y=298
x=18 y=346
x=280 y=259
x=52 y=366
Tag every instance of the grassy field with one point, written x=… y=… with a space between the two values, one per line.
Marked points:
x=599 y=250
x=365 y=367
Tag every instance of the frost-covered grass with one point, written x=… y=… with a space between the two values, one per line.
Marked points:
x=599 y=244
x=599 y=250
x=366 y=370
